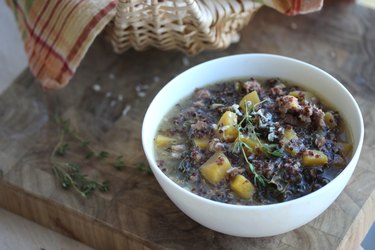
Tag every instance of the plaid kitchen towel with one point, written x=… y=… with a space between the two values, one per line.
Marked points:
x=58 y=33
x=294 y=7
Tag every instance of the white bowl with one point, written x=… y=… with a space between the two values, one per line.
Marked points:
x=259 y=220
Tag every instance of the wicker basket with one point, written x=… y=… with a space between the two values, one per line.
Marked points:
x=187 y=25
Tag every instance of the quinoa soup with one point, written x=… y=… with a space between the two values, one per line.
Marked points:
x=252 y=142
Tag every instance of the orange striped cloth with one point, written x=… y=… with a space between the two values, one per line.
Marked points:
x=294 y=7
x=58 y=33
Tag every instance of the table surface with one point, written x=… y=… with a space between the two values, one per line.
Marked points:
x=339 y=45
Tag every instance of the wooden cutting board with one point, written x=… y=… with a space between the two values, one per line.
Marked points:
x=106 y=102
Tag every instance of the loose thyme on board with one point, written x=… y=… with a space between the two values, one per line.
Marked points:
x=69 y=172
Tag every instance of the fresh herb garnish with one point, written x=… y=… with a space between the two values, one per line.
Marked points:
x=272 y=149
x=246 y=128
x=257 y=177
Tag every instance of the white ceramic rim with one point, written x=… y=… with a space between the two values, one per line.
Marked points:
x=307 y=197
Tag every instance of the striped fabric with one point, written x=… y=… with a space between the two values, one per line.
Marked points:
x=294 y=7
x=58 y=33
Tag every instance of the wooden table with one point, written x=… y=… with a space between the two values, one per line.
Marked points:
x=136 y=213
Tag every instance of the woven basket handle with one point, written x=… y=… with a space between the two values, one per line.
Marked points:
x=209 y=12
x=218 y=9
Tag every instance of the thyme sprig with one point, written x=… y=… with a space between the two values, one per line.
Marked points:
x=69 y=173
x=270 y=149
x=258 y=178
x=246 y=127
x=70 y=176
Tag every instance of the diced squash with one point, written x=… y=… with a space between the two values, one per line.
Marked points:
x=314 y=158
x=253 y=143
x=215 y=168
x=242 y=187
x=227 y=130
x=252 y=97
x=346 y=148
x=293 y=102
x=201 y=143
x=293 y=151
x=302 y=95
x=162 y=141
x=289 y=134
x=330 y=120
x=297 y=93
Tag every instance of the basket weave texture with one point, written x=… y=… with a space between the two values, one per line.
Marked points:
x=186 y=25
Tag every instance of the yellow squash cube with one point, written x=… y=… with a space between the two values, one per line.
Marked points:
x=330 y=120
x=302 y=95
x=294 y=105
x=227 y=126
x=292 y=151
x=314 y=158
x=201 y=143
x=242 y=187
x=289 y=134
x=346 y=148
x=252 y=97
x=253 y=143
x=162 y=141
x=215 y=168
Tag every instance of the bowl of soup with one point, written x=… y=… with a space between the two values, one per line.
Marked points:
x=253 y=145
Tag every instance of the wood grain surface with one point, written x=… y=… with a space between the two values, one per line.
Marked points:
x=19 y=233
x=136 y=214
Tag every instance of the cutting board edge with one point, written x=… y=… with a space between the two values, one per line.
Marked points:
x=59 y=219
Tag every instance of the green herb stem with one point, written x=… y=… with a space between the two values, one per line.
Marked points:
x=246 y=125
x=257 y=177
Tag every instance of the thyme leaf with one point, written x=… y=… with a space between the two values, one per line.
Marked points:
x=85 y=143
x=272 y=149
x=61 y=151
x=142 y=167
x=119 y=163
x=89 y=154
x=104 y=186
x=103 y=155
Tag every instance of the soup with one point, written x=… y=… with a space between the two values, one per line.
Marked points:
x=252 y=142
